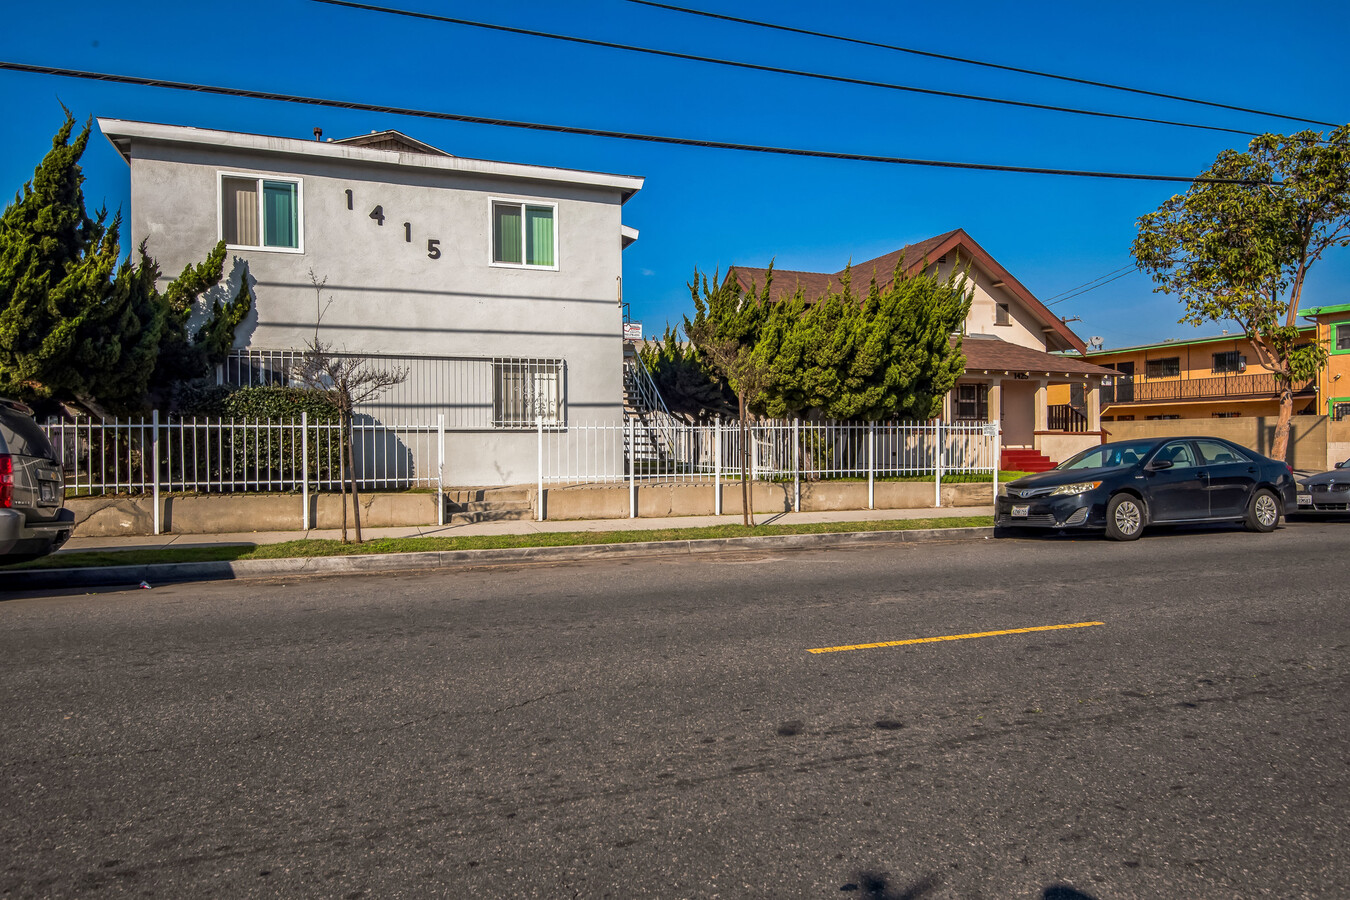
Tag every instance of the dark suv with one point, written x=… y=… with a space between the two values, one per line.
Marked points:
x=33 y=517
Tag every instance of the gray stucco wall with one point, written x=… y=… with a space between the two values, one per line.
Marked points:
x=387 y=295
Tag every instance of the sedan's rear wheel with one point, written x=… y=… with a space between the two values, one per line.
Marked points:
x=1263 y=512
x=1125 y=517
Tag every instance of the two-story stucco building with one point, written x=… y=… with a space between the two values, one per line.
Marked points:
x=497 y=286
x=1012 y=343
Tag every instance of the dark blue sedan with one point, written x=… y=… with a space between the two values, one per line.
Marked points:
x=1125 y=486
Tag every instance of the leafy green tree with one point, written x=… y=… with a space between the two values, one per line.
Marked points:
x=77 y=322
x=683 y=380
x=726 y=331
x=887 y=355
x=1239 y=243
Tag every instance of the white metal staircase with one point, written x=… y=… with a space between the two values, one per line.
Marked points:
x=643 y=408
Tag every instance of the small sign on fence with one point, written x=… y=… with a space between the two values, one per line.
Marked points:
x=990 y=429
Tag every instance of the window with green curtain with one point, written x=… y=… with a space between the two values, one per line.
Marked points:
x=281 y=225
x=539 y=230
x=506 y=236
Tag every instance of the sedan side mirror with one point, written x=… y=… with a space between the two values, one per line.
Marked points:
x=1340 y=465
x=1158 y=465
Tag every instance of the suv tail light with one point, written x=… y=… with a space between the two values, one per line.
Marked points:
x=6 y=481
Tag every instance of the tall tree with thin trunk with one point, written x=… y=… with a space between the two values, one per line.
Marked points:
x=726 y=331
x=348 y=381
x=1239 y=244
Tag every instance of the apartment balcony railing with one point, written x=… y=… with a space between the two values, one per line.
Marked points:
x=1224 y=387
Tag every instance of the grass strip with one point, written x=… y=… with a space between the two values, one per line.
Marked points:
x=313 y=548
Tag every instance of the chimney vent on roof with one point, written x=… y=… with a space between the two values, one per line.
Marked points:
x=318 y=134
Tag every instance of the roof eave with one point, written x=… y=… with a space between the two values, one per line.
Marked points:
x=123 y=132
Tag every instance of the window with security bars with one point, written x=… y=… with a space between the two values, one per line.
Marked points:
x=1340 y=410
x=972 y=402
x=1168 y=367
x=524 y=390
x=1231 y=361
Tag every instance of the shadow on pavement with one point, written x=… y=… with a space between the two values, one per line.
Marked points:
x=876 y=886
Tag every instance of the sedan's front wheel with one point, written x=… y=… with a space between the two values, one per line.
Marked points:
x=1125 y=518
x=1263 y=512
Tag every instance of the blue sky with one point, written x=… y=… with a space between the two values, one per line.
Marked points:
x=711 y=208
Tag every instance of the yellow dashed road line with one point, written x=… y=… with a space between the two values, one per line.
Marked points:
x=951 y=637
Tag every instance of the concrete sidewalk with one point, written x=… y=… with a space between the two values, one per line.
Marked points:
x=133 y=542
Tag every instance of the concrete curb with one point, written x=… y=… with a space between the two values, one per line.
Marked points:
x=163 y=573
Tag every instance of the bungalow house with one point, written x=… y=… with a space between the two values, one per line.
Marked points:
x=497 y=286
x=1013 y=345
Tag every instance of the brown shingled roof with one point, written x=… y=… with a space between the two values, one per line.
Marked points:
x=994 y=355
x=816 y=284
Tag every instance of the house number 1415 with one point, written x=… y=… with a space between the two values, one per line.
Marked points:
x=377 y=214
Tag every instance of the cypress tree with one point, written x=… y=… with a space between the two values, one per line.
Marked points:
x=77 y=322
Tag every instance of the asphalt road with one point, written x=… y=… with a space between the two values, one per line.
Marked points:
x=658 y=728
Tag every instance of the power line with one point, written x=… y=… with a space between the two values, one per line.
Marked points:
x=1086 y=283
x=1087 y=289
x=598 y=132
x=978 y=62
x=778 y=70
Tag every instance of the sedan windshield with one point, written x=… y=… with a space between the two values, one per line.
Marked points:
x=1109 y=456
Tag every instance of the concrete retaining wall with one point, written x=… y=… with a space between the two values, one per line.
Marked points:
x=1059 y=446
x=1308 y=443
x=225 y=513
x=653 y=500
x=1338 y=442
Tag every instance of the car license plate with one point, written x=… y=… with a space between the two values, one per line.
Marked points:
x=1305 y=499
x=47 y=491
x=1020 y=512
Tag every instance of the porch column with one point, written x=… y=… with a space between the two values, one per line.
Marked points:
x=996 y=399
x=1042 y=405
x=1094 y=404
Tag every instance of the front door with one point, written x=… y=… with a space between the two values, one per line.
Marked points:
x=1179 y=492
x=1018 y=415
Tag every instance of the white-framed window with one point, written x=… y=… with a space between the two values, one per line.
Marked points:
x=258 y=212
x=525 y=234
x=525 y=389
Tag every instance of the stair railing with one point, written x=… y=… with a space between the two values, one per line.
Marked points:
x=650 y=405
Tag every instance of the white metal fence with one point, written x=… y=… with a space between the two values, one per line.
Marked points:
x=657 y=447
x=216 y=455
x=211 y=455
x=661 y=448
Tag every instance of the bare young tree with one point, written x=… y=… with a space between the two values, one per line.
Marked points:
x=348 y=381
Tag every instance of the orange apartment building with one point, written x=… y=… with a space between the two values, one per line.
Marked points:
x=1212 y=377
x=1219 y=381
x=1333 y=331
x=1221 y=377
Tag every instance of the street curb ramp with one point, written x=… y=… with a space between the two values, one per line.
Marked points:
x=165 y=573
